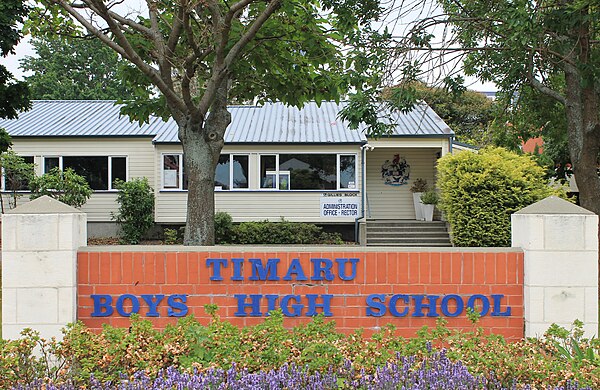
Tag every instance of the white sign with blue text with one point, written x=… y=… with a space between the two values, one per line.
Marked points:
x=340 y=206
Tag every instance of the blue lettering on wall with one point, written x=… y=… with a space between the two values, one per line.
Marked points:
x=451 y=305
x=102 y=305
x=128 y=304
x=322 y=270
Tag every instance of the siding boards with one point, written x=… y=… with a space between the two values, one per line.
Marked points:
x=254 y=205
x=251 y=206
x=395 y=202
x=138 y=150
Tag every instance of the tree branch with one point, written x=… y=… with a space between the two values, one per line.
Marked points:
x=252 y=31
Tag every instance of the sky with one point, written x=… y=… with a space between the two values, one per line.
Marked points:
x=24 y=48
x=12 y=61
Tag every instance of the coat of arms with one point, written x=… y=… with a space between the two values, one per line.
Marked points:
x=395 y=172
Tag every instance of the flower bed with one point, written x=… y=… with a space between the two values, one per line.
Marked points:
x=268 y=356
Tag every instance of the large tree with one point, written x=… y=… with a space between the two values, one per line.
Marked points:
x=521 y=45
x=199 y=55
x=14 y=95
x=530 y=44
x=468 y=113
x=74 y=69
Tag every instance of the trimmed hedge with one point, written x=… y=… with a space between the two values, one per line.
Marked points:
x=270 y=233
x=480 y=190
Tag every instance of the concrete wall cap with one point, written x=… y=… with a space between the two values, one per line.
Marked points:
x=44 y=205
x=554 y=205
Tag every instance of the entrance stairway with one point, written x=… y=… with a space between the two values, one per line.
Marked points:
x=398 y=232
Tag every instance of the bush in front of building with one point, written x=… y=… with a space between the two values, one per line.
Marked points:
x=140 y=353
x=66 y=186
x=223 y=227
x=480 y=190
x=271 y=233
x=136 y=209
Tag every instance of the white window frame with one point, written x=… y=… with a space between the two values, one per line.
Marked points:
x=231 y=188
x=179 y=174
x=339 y=173
x=277 y=172
x=109 y=158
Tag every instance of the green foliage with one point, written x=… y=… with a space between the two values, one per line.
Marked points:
x=19 y=364
x=136 y=209
x=118 y=352
x=419 y=185
x=479 y=192
x=572 y=346
x=74 y=69
x=5 y=140
x=65 y=186
x=564 y=69
x=223 y=227
x=17 y=175
x=171 y=236
x=14 y=95
x=282 y=232
x=430 y=197
x=468 y=113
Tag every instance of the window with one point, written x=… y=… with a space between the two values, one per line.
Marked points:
x=16 y=176
x=308 y=171
x=347 y=171
x=231 y=172
x=99 y=171
x=173 y=175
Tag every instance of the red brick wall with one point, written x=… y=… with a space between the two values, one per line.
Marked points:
x=435 y=273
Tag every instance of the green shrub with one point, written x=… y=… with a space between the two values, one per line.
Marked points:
x=430 y=197
x=66 y=186
x=223 y=227
x=480 y=190
x=136 y=209
x=283 y=232
x=118 y=353
x=171 y=236
x=17 y=174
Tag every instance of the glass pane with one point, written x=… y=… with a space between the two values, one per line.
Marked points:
x=222 y=173
x=240 y=171
x=267 y=168
x=348 y=172
x=119 y=169
x=94 y=169
x=284 y=180
x=310 y=171
x=171 y=171
x=50 y=163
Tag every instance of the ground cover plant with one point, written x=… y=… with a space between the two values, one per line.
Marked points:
x=269 y=356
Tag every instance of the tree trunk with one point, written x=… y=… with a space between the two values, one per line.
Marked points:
x=202 y=144
x=583 y=126
x=199 y=164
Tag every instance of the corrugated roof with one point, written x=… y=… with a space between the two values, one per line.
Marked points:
x=270 y=123
x=77 y=118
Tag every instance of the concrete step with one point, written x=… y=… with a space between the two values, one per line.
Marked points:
x=407 y=233
x=400 y=230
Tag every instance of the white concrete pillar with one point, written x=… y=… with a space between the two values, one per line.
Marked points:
x=560 y=244
x=39 y=266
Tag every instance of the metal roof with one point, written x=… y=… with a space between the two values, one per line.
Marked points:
x=270 y=123
x=78 y=118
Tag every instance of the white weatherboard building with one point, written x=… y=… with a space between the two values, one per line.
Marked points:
x=303 y=165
